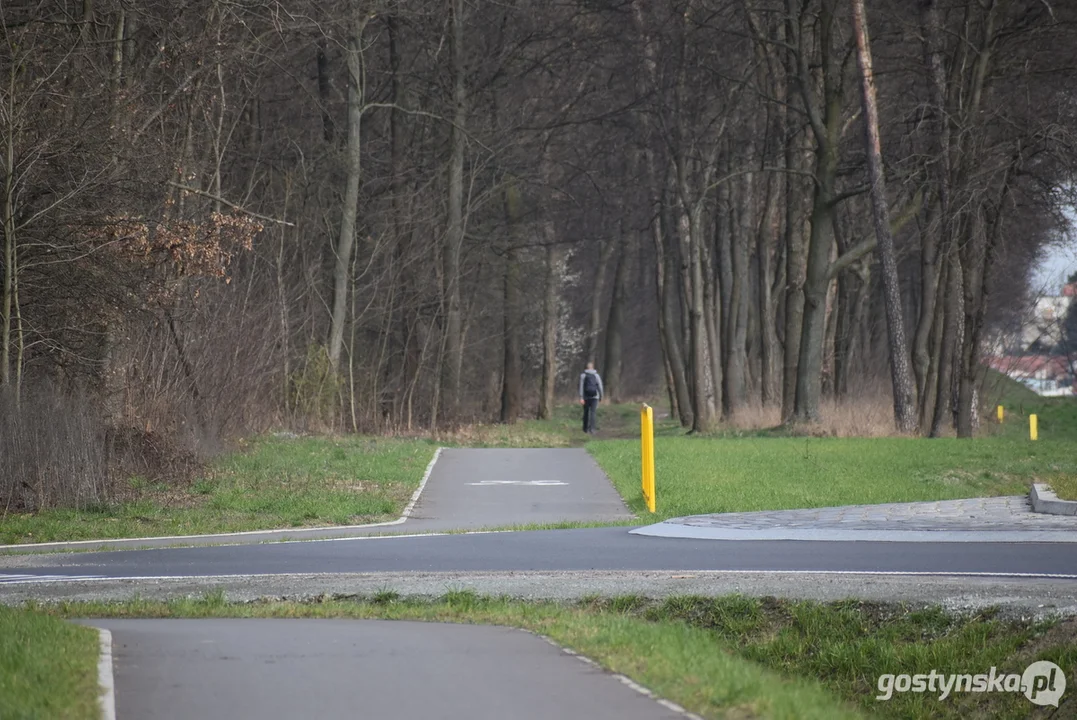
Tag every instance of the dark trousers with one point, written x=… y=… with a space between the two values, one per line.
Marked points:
x=589 y=407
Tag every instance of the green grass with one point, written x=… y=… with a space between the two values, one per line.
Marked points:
x=1065 y=486
x=1057 y=416
x=728 y=657
x=696 y=475
x=48 y=667
x=269 y=483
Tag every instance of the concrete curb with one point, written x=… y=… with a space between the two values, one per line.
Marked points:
x=1045 y=501
x=105 y=681
x=248 y=536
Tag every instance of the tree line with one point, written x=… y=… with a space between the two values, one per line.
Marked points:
x=390 y=214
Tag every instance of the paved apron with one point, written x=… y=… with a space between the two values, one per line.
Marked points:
x=981 y=520
x=326 y=669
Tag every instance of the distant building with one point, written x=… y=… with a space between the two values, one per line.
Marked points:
x=1045 y=326
x=1026 y=352
x=1043 y=374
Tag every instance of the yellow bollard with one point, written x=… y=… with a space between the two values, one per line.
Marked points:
x=1033 y=427
x=646 y=427
x=1001 y=414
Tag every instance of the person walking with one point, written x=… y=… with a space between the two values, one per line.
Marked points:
x=590 y=394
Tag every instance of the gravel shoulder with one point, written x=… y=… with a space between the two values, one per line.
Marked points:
x=1018 y=597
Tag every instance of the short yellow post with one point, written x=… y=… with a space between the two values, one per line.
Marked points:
x=646 y=426
x=1001 y=414
x=1033 y=427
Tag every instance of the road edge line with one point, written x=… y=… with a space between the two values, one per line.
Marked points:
x=103 y=542
x=105 y=678
x=419 y=490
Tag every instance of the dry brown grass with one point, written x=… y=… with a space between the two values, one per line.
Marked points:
x=493 y=435
x=868 y=415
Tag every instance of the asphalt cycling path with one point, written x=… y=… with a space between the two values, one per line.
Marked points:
x=485 y=488
x=255 y=669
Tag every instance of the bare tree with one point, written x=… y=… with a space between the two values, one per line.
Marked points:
x=904 y=399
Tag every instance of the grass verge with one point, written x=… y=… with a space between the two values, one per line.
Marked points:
x=696 y=475
x=48 y=667
x=271 y=482
x=729 y=657
x=1065 y=486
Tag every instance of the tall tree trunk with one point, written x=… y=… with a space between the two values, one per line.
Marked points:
x=594 y=326
x=736 y=367
x=350 y=208
x=824 y=113
x=512 y=382
x=405 y=345
x=937 y=259
x=9 y=248
x=947 y=349
x=767 y=238
x=712 y=303
x=550 y=312
x=795 y=265
x=817 y=284
x=612 y=369
x=454 y=237
x=900 y=375
x=703 y=405
x=929 y=282
x=978 y=264
x=669 y=324
x=724 y=229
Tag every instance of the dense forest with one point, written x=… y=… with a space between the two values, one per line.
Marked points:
x=392 y=215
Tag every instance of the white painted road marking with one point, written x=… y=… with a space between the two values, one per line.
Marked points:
x=519 y=482
x=8 y=579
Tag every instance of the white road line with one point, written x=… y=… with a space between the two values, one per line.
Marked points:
x=104 y=676
x=9 y=579
x=418 y=490
x=106 y=541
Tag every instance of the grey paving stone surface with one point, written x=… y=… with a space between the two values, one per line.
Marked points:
x=999 y=513
x=977 y=519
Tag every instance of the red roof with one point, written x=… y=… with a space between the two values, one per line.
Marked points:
x=1029 y=365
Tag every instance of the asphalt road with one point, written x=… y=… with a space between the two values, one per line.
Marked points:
x=610 y=548
x=262 y=669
